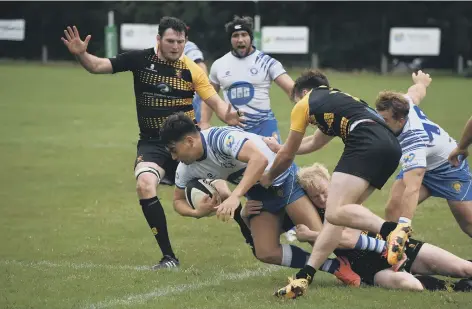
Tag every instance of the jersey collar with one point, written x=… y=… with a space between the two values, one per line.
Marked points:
x=204 y=145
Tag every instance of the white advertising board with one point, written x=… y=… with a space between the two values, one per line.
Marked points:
x=285 y=40
x=138 y=36
x=12 y=29
x=414 y=41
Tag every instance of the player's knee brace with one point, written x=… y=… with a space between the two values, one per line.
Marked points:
x=148 y=169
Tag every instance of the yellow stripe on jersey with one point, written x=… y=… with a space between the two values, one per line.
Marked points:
x=200 y=80
x=300 y=115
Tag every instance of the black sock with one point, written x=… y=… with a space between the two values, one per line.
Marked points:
x=433 y=284
x=242 y=225
x=156 y=218
x=387 y=228
x=463 y=285
x=306 y=272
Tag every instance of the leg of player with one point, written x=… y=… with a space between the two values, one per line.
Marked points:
x=148 y=176
x=432 y=260
x=390 y=279
x=265 y=228
x=393 y=211
x=462 y=211
x=224 y=191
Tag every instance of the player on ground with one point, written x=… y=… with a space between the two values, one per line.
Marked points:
x=192 y=51
x=164 y=82
x=425 y=168
x=240 y=157
x=370 y=157
x=245 y=75
x=464 y=143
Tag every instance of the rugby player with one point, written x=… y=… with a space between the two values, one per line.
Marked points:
x=165 y=81
x=245 y=75
x=370 y=157
x=425 y=149
x=464 y=143
x=239 y=157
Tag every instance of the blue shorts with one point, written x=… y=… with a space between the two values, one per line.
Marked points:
x=197 y=107
x=276 y=198
x=266 y=128
x=449 y=182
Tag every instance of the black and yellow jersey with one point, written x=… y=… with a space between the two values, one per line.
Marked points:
x=162 y=87
x=332 y=111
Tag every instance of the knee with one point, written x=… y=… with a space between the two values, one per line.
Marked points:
x=268 y=256
x=466 y=227
x=464 y=270
x=146 y=184
x=333 y=216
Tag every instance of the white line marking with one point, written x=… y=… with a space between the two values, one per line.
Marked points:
x=86 y=265
x=182 y=288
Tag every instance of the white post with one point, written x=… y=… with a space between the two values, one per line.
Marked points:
x=44 y=54
x=257 y=27
x=383 y=64
x=460 y=65
x=111 y=18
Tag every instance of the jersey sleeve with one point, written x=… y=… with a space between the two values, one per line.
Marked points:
x=410 y=101
x=299 y=116
x=128 y=61
x=214 y=73
x=182 y=176
x=230 y=142
x=275 y=69
x=200 y=80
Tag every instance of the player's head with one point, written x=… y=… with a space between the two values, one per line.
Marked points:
x=315 y=181
x=181 y=136
x=394 y=108
x=171 y=37
x=309 y=80
x=240 y=32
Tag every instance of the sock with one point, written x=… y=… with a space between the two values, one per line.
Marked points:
x=156 y=218
x=330 y=266
x=463 y=285
x=306 y=272
x=387 y=228
x=293 y=256
x=404 y=220
x=368 y=243
x=433 y=284
x=244 y=228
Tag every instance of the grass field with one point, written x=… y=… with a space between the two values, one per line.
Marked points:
x=73 y=234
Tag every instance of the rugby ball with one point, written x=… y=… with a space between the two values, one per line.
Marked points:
x=197 y=189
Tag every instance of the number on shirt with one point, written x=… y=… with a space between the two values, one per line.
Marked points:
x=428 y=126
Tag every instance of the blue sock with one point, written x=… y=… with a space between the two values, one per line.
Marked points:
x=293 y=256
x=330 y=266
x=368 y=243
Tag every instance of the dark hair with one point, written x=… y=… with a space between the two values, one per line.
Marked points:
x=246 y=24
x=176 y=127
x=309 y=79
x=173 y=23
x=389 y=100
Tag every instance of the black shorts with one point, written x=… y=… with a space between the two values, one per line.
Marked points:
x=156 y=152
x=371 y=263
x=371 y=152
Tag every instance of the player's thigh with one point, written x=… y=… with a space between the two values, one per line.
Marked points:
x=432 y=260
x=265 y=230
x=390 y=279
x=345 y=189
x=302 y=211
x=462 y=211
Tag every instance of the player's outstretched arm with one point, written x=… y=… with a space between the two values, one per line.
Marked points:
x=464 y=143
x=285 y=82
x=412 y=180
x=417 y=92
x=314 y=142
x=78 y=48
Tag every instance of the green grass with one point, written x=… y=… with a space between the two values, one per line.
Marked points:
x=73 y=234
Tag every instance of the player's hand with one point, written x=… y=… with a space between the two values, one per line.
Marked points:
x=421 y=78
x=303 y=233
x=454 y=156
x=272 y=143
x=204 y=125
x=207 y=206
x=234 y=117
x=73 y=42
x=252 y=207
x=265 y=180
x=225 y=211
